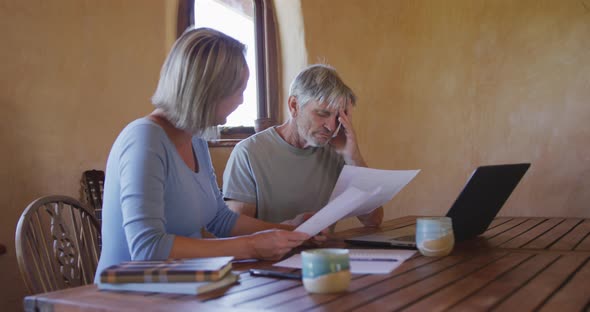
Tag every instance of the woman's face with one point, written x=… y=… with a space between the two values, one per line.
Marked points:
x=229 y=103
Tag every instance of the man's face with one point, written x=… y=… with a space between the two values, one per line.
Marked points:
x=316 y=123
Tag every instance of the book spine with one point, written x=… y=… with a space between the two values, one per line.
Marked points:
x=160 y=278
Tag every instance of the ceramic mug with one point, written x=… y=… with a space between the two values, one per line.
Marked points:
x=434 y=236
x=325 y=270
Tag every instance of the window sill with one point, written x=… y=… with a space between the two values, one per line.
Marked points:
x=230 y=136
x=223 y=142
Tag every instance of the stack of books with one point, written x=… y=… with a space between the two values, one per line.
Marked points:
x=179 y=276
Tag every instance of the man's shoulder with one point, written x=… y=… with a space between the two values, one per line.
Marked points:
x=262 y=138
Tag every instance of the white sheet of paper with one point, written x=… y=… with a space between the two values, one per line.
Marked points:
x=343 y=204
x=390 y=183
x=358 y=191
x=363 y=261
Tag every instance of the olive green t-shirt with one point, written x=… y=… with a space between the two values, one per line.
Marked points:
x=282 y=180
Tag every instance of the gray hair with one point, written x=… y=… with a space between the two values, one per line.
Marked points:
x=203 y=67
x=321 y=83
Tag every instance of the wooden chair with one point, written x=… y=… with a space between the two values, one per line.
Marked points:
x=92 y=191
x=57 y=244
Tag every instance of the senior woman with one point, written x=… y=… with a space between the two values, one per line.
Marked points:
x=160 y=187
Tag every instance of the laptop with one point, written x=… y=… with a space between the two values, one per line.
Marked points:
x=485 y=193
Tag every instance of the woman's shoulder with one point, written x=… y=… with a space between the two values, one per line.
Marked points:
x=142 y=132
x=143 y=127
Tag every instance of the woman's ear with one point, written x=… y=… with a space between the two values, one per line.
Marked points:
x=293 y=106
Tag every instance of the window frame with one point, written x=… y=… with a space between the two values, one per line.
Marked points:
x=267 y=86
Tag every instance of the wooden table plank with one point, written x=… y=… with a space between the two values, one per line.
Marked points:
x=502 y=287
x=236 y=298
x=513 y=232
x=450 y=295
x=362 y=296
x=403 y=297
x=301 y=299
x=573 y=235
x=246 y=282
x=534 y=293
x=360 y=284
x=88 y=298
x=533 y=233
x=517 y=264
x=584 y=244
x=498 y=221
x=575 y=295
x=492 y=232
x=552 y=236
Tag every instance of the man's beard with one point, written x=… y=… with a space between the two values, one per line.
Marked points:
x=310 y=137
x=314 y=141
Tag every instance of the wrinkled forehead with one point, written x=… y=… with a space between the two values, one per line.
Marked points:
x=340 y=103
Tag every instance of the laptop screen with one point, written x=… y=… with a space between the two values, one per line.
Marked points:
x=482 y=197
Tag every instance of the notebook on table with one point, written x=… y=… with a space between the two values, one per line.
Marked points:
x=482 y=197
x=174 y=270
x=188 y=288
x=178 y=276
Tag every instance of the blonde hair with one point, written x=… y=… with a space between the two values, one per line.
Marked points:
x=204 y=66
x=321 y=83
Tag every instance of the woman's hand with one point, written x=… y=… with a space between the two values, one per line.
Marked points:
x=274 y=244
x=315 y=241
x=318 y=240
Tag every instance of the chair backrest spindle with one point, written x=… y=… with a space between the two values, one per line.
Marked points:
x=57 y=244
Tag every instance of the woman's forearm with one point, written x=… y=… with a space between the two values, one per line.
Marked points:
x=186 y=247
x=266 y=244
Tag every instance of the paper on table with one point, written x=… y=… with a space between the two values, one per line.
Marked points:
x=389 y=182
x=363 y=261
x=341 y=205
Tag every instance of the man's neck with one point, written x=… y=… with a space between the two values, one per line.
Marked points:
x=288 y=132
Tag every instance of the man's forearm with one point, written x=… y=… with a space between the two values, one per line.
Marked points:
x=248 y=225
x=356 y=159
x=242 y=207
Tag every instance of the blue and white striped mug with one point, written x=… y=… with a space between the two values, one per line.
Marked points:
x=325 y=270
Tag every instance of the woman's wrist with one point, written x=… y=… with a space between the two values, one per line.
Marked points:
x=250 y=246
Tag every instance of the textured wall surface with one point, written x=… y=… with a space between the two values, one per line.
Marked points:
x=73 y=74
x=445 y=86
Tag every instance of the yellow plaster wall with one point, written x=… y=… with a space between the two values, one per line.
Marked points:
x=73 y=73
x=445 y=86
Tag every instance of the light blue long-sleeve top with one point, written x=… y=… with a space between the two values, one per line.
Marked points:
x=151 y=195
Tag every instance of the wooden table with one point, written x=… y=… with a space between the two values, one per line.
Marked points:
x=2 y=249
x=518 y=264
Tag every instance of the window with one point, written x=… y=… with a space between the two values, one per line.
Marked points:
x=238 y=22
x=251 y=22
